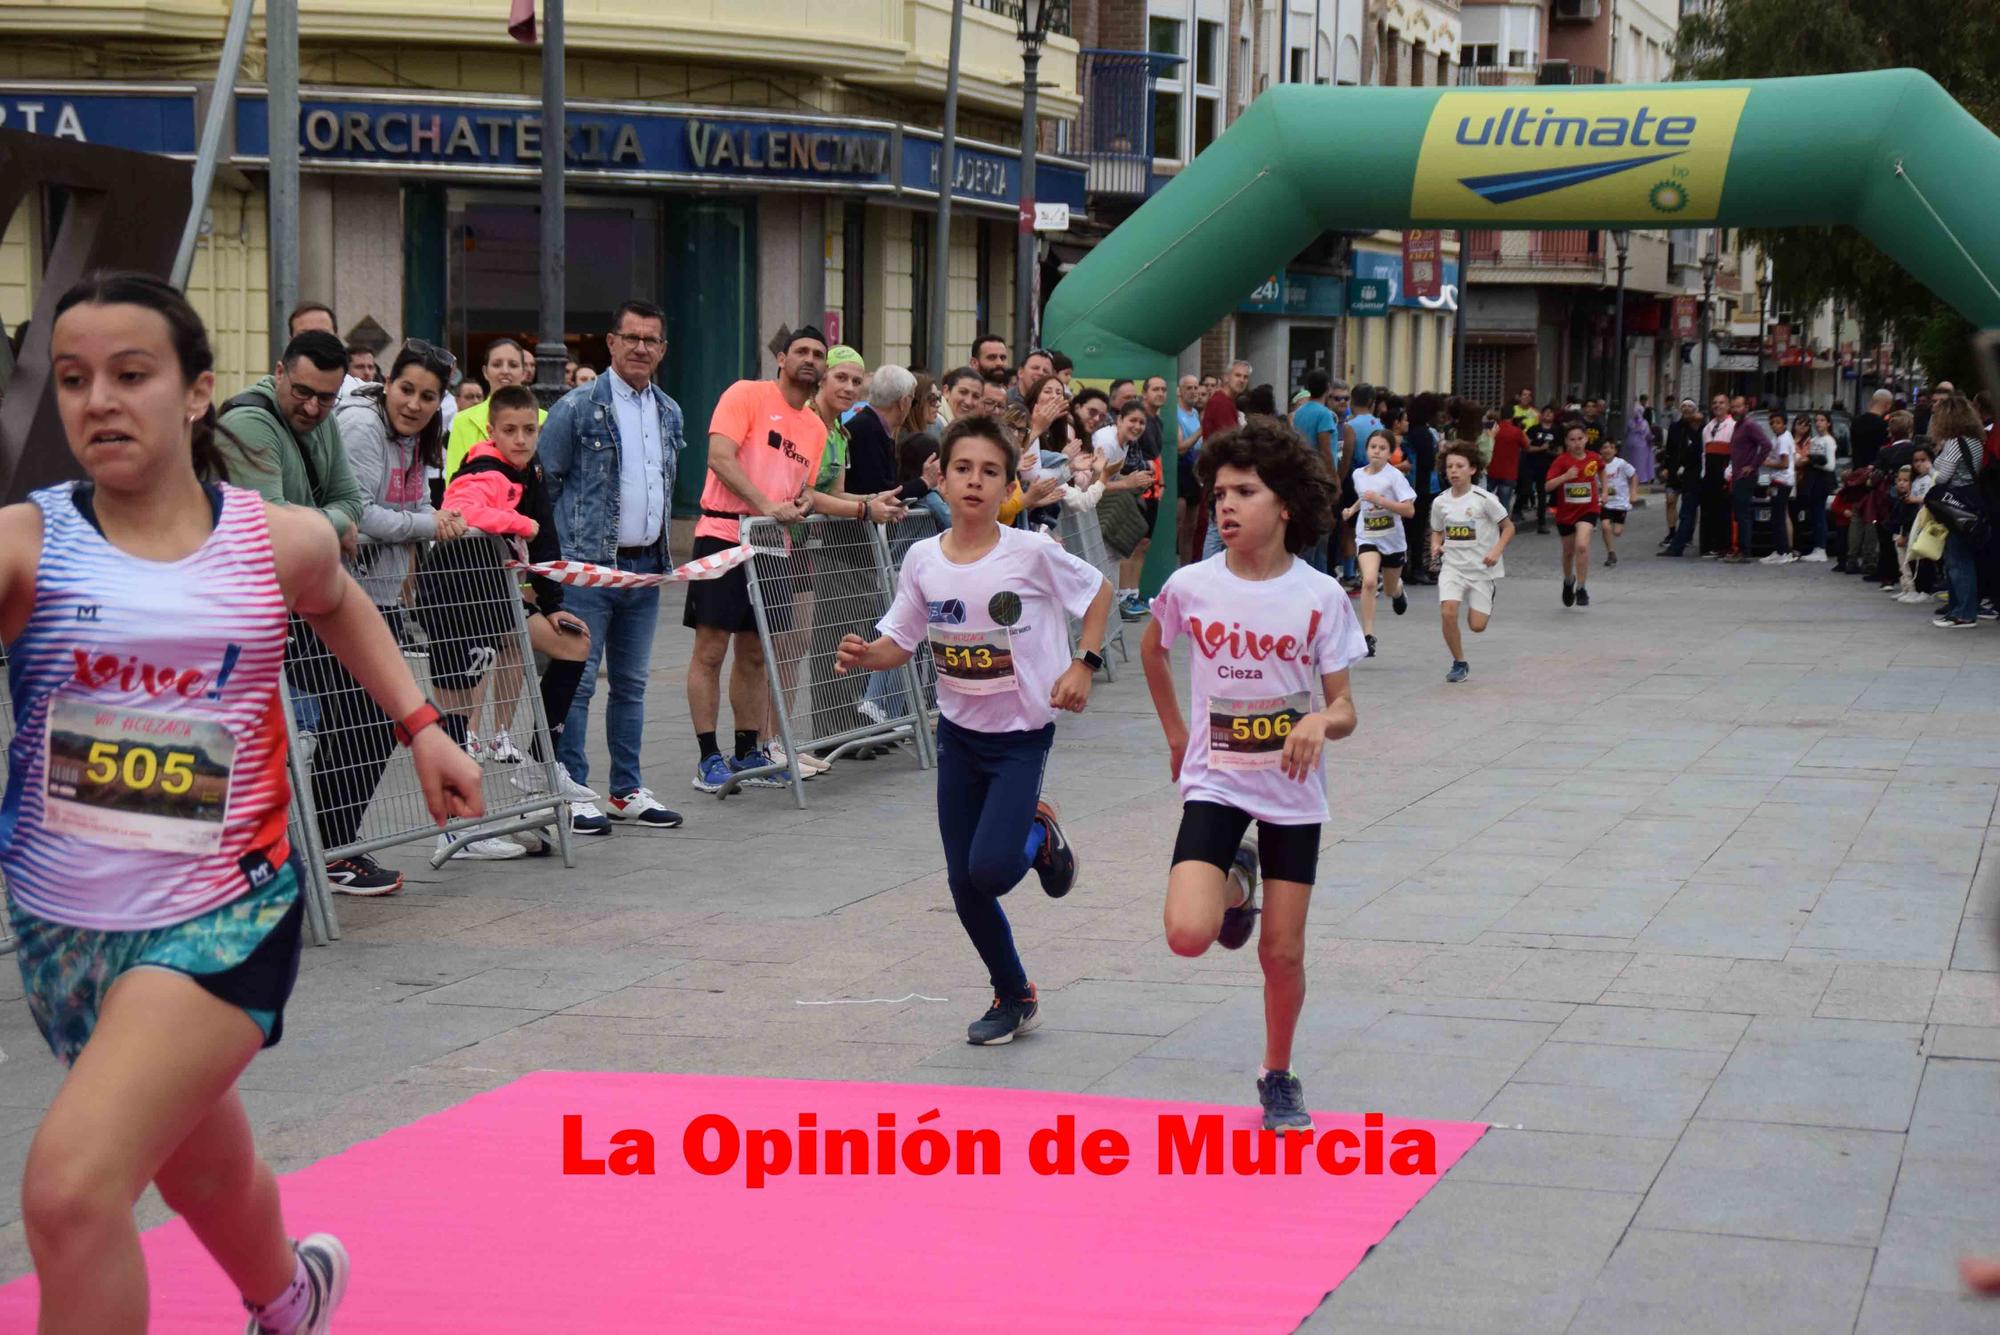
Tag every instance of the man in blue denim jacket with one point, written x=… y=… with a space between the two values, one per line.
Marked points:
x=608 y=453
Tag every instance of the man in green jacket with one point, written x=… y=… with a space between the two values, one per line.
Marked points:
x=287 y=447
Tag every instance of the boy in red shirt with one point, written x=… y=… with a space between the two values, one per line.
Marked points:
x=1577 y=493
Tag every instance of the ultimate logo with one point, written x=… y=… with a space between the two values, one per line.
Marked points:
x=1561 y=156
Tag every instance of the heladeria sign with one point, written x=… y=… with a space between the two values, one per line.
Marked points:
x=1657 y=155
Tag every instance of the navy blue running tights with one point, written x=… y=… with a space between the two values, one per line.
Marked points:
x=988 y=784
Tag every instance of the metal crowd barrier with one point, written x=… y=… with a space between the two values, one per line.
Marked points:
x=899 y=537
x=811 y=584
x=461 y=622
x=1082 y=536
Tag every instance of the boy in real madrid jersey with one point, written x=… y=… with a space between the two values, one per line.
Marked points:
x=1470 y=530
x=994 y=604
x=1270 y=641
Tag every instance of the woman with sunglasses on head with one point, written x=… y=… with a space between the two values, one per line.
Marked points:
x=153 y=895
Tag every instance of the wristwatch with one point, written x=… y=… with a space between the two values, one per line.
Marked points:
x=423 y=716
x=1091 y=660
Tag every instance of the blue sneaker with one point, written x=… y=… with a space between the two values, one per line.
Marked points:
x=761 y=759
x=711 y=775
x=1134 y=608
x=1460 y=670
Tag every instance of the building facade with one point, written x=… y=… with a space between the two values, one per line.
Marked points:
x=743 y=167
x=1162 y=79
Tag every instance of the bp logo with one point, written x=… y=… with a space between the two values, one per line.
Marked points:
x=1574 y=155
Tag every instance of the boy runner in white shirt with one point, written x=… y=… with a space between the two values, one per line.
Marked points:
x=1268 y=634
x=1618 y=475
x=1470 y=530
x=995 y=604
x=1781 y=475
x=1386 y=499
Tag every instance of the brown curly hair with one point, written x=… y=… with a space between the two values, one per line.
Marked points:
x=1282 y=460
x=1464 y=449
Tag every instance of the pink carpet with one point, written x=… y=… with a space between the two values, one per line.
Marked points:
x=465 y=1221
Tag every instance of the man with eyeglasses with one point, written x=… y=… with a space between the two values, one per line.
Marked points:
x=286 y=446
x=279 y=439
x=609 y=454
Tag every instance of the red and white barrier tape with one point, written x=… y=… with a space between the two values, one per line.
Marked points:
x=583 y=574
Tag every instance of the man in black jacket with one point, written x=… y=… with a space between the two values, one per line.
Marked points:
x=1681 y=464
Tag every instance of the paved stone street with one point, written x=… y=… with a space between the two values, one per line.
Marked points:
x=1717 y=961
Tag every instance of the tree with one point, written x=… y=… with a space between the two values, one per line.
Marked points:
x=1953 y=41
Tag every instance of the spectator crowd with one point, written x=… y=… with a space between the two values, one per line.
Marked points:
x=418 y=465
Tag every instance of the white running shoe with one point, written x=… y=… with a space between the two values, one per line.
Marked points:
x=484 y=850
x=326 y=1266
x=1913 y=597
x=1818 y=557
x=475 y=746
x=531 y=779
x=1774 y=559
x=869 y=710
x=502 y=749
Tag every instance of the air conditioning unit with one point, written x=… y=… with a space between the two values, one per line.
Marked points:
x=1574 y=11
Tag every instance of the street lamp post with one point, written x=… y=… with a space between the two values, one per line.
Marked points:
x=1839 y=310
x=551 y=355
x=1622 y=239
x=1709 y=262
x=947 y=178
x=1034 y=30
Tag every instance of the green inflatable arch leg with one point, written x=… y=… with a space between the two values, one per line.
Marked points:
x=1887 y=152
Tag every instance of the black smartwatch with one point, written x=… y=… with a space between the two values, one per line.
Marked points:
x=1093 y=661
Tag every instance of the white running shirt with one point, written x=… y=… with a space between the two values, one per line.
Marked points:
x=1471 y=525
x=1259 y=648
x=998 y=628
x=1618 y=476
x=1379 y=528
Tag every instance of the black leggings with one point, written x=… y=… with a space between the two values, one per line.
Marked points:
x=988 y=784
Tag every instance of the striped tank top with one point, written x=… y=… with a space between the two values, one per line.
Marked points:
x=146 y=782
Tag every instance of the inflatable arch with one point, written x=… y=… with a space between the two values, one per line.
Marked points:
x=1886 y=152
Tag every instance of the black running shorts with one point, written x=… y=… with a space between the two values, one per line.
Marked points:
x=1211 y=832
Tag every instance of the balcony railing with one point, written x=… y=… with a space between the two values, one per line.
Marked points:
x=1576 y=247
x=1114 y=130
x=1577 y=251
x=1496 y=76
x=1563 y=72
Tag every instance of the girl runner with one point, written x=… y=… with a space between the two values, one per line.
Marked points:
x=143 y=838
x=1470 y=530
x=1268 y=634
x=1386 y=500
x=1616 y=477
x=1573 y=483
x=994 y=604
